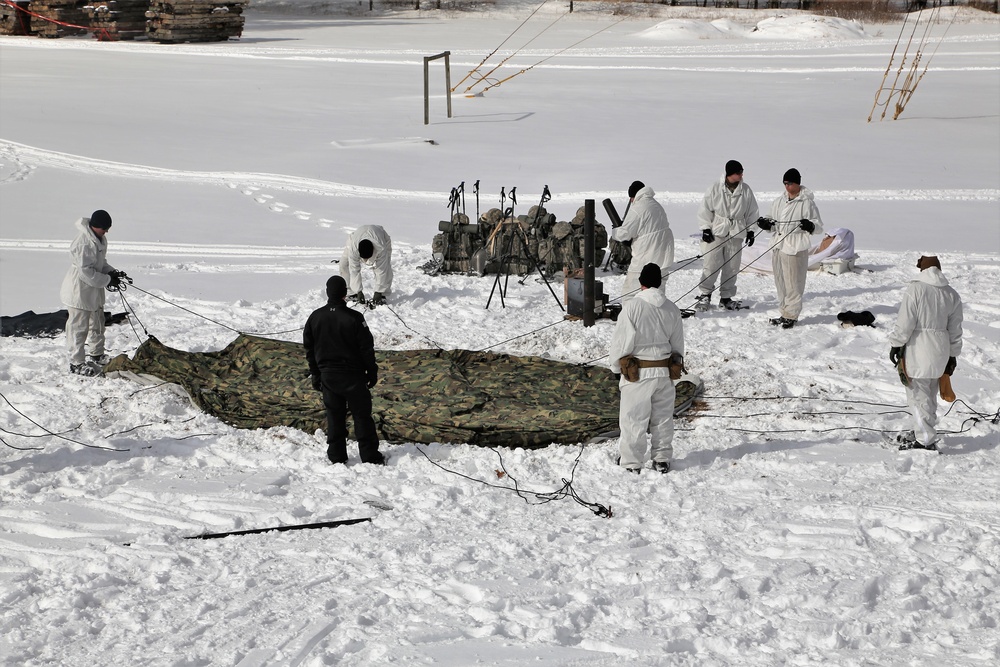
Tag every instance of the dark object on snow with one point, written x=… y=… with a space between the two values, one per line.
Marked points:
x=502 y=243
x=852 y=319
x=30 y=324
x=279 y=529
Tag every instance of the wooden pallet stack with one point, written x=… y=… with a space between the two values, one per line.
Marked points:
x=121 y=19
x=174 y=21
x=13 y=21
x=57 y=12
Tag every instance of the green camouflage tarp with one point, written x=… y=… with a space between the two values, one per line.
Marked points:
x=448 y=396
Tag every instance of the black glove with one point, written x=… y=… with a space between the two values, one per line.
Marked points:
x=950 y=366
x=807 y=225
x=895 y=354
x=357 y=298
x=378 y=299
x=765 y=223
x=372 y=380
x=750 y=238
x=707 y=236
x=317 y=383
x=121 y=275
x=115 y=283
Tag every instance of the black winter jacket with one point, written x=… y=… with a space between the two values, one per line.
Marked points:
x=337 y=340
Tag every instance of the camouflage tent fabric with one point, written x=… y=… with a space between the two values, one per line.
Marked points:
x=422 y=396
x=448 y=396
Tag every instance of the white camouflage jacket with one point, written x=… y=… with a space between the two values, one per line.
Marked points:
x=728 y=214
x=929 y=324
x=788 y=236
x=649 y=327
x=83 y=286
x=646 y=225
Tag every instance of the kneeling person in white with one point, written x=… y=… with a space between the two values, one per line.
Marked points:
x=649 y=328
x=368 y=245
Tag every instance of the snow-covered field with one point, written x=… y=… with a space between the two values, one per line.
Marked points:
x=787 y=533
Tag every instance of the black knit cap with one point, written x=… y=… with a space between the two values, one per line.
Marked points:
x=792 y=176
x=100 y=219
x=733 y=167
x=366 y=248
x=336 y=288
x=650 y=276
x=635 y=187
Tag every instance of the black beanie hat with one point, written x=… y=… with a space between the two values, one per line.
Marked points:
x=100 y=219
x=336 y=288
x=650 y=276
x=366 y=248
x=792 y=176
x=733 y=167
x=635 y=187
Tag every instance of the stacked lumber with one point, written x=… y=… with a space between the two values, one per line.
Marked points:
x=13 y=21
x=173 y=21
x=119 y=19
x=52 y=14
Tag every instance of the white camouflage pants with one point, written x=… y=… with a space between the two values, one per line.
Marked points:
x=721 y=255
x=790 y=281
x=84 y=334
x=646 y=405
x=921 y=396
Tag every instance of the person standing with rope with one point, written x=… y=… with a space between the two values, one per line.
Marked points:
x=727 y=212
x=340 y=351
x=82 y=293
x=647 y=227
x=368 y=245
x=648 y=341
x=794 y=217
x=926 y=341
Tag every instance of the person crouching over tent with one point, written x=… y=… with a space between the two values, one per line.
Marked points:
x=369 y=245
x=648 y=339
x=341 y=355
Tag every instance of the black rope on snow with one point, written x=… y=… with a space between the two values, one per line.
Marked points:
x=565 y=491
x=224 y=326
x=424 y=336
x=58 y=435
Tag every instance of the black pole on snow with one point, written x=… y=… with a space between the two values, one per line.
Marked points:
x=279 y=529
x=588 y=262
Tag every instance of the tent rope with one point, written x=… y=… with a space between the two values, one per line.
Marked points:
x=561 y=51
x=486 y=77
x=490 y=55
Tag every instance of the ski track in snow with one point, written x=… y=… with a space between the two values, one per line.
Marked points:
x=27 y=158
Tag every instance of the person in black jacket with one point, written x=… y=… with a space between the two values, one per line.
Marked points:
x=341 y=355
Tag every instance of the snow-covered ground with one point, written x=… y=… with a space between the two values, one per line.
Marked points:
x=787 y=533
